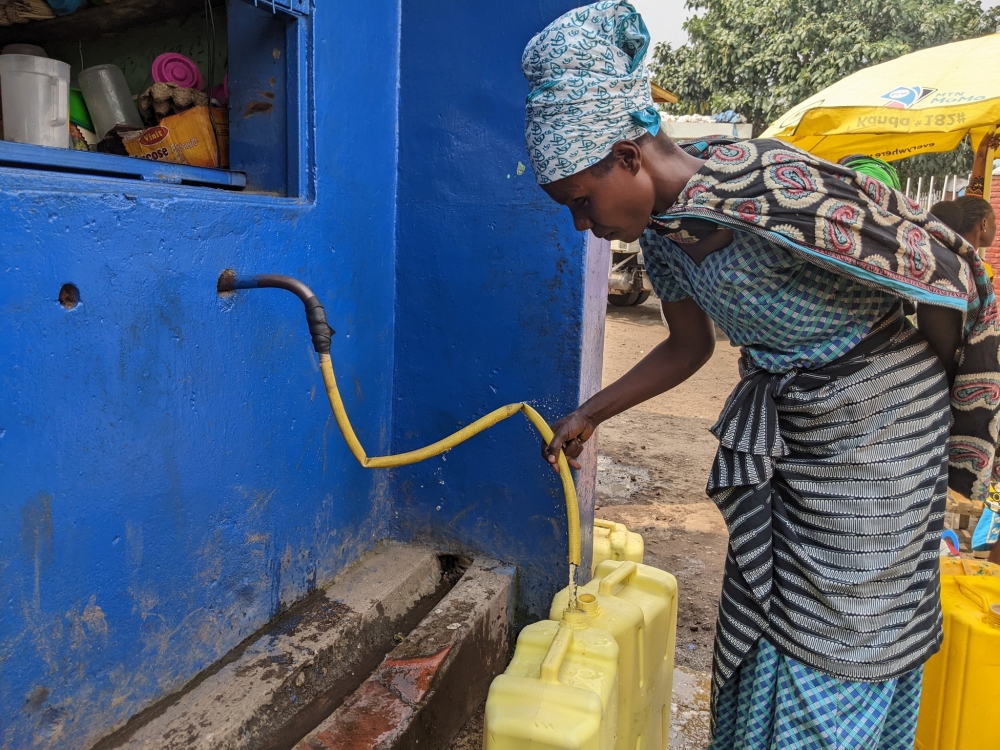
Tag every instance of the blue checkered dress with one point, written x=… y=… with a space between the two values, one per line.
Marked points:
x=776 y=703
x=785 y=312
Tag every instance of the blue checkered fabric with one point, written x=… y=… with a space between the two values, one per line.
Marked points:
x=776 y=703
x=786 y=312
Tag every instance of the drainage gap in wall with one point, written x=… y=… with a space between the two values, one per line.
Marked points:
x=333 y=670
x=310 y=716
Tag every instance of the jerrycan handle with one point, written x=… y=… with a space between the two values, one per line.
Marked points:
x=558 y=649
x=609 y=525
x=992 y=611
x=625 y=571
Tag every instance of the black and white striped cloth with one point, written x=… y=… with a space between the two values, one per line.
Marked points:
x=833 y=485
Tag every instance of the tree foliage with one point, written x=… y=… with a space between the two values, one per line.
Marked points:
x=761 y=57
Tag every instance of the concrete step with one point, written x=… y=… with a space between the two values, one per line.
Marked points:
x=427 y=687
x=286 y=679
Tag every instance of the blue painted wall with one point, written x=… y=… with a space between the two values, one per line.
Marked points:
x=170 y=475
x=490 y=291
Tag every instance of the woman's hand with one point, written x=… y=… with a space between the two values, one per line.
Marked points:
x=570 y=433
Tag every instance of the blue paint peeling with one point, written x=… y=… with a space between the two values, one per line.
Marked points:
x=171 y=477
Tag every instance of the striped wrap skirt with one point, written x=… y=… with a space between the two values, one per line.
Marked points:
x=832 y=483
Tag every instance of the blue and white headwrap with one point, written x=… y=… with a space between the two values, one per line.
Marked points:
x=589 y=88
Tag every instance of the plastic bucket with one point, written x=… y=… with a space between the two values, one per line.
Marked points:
x=35 y=98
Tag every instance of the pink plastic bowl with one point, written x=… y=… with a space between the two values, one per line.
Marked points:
x=171 y=67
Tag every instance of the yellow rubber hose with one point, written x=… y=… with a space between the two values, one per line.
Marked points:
x=436 y=449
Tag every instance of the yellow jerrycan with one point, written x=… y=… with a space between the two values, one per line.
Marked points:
x=560 y=690
x=959 y=566
x=613 y=541
x=958 y=701
x=637 y=604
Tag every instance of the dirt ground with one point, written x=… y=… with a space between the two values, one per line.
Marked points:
x=652 y=467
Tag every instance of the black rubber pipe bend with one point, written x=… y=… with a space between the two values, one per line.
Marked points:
x=315 y=314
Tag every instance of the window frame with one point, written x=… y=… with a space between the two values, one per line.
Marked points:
x=296 y=110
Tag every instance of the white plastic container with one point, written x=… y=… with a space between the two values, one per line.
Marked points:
x=35 y=97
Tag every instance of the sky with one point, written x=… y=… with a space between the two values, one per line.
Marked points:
x=665 y=17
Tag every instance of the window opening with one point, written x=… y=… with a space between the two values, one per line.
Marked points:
x=200 y=92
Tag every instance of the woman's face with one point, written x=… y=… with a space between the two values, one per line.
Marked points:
x=983 y=234
x=615 y=204
x=989 y=232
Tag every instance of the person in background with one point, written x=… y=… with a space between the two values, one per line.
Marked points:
x=975 y=220
x=971 y=217
x=874 y=168
x=833 y=462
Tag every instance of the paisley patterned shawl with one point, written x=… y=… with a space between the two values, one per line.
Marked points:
x=857 y=226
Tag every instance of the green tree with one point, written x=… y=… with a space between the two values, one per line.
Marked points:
x=761 y=57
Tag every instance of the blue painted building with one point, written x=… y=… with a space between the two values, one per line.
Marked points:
x=170 y=475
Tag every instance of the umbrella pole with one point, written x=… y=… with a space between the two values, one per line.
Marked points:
x=982 y=167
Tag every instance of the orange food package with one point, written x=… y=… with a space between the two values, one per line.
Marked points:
x=186 y=138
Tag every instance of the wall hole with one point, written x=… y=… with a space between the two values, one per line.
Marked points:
x=224 y=286
x=69 y=296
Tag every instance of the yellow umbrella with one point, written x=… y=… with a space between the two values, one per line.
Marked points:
x=919 y=103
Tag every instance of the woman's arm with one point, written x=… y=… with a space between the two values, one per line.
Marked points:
x=688 y=347
x=942 y=328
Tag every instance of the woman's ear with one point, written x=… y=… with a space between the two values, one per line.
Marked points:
x=629 y=155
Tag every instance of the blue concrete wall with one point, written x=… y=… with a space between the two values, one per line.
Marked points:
x=490 y=288
x=169 y=473
x=171 y=476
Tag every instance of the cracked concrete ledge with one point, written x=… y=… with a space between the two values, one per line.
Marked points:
x=429 y=685
x=293 y=674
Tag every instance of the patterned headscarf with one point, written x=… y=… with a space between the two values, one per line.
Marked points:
x=589 y=88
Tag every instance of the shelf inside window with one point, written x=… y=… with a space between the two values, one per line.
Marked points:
x=27 y=156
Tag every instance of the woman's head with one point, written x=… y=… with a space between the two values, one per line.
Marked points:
x=971 y=217
x=589 y=88
x=874 y=168
x=591 y=128
x=615 y=197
